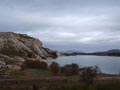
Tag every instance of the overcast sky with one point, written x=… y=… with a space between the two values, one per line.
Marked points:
x=86 y=25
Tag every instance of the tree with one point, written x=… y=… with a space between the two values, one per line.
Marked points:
x=54 y=67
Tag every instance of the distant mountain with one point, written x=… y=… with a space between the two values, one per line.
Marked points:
x=109 y=51
x=113 y=51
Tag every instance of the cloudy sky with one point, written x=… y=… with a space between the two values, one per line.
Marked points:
x=86 y=25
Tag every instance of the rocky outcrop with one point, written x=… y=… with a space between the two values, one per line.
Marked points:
x=19 y=47
x=12 y=44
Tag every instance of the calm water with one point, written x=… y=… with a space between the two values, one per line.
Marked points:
x=107 y=64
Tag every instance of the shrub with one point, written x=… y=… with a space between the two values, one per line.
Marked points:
x=54 y=67
x=70 y=69
x=35 y=64
x=32 y=63
x=43 y=65
x=67 y=70
x=75 y=69
x=25 y=36
x=88 y=75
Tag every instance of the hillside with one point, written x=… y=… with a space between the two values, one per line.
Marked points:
x=16 y=48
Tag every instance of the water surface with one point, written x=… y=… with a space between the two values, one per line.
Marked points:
x=107 y=64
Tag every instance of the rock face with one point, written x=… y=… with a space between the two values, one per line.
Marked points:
x=22 y=47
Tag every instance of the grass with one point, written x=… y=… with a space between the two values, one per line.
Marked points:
x=63 y=86
x=99 y=86
x=112 y=85
x=37 y=73
x=25 y=36
x=45 y=80
x=30 y=73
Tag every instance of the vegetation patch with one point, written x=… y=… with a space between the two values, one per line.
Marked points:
x=25 y=36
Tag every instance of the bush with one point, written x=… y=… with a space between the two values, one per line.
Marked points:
x=70 y=69
x=67 y=70
x=35 y=64
x=54 y=67
x=32 y=63
x=75 y=69
x=88 y=75
x=43 y=65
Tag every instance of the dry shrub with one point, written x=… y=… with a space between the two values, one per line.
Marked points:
x=88 y=75
x=70 y=69
x=35 y=64
x=54 y=67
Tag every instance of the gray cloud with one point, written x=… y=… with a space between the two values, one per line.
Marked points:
x=64 y=24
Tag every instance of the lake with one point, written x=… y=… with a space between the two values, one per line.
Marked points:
x=107 y=64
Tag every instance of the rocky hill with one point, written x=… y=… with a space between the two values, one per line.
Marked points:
x=16 y=48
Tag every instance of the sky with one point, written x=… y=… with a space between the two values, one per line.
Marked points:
x=83 y=25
